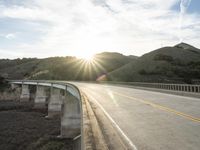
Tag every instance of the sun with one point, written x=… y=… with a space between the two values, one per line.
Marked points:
x=87 y=57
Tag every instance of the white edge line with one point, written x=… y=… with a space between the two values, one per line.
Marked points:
x=118 y=128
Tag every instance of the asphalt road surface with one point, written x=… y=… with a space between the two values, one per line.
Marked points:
x=151 y=120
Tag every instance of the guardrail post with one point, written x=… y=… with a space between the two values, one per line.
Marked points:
x=40 y=98
x=182 y=88
x=187 y=88
x=190 y=88
x=25 y=93
x=196 y=89
x=193 y=89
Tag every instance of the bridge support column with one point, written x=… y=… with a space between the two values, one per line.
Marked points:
x=40 y=98
x=25 y=93
x=14 y=86
x=55 y=103
x=70 y=118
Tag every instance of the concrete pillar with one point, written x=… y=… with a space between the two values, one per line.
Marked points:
x=25 y=93
x=185 y=89
x=55 y=103
x=197 y=90
x=179 y=87
x=190 y=88
x=173 y=87
x=14 y=86
x=40 y=98
x=71 y=117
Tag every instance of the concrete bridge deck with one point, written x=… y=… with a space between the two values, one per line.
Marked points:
x=141 y=119
x=151 y=120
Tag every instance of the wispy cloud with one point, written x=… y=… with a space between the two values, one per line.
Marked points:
x=91 y=26
x=184 y=4
x=10 y=36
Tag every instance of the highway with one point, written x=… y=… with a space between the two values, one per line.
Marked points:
x=150 y=120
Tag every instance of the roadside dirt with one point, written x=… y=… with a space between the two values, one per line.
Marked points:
x=24 y=128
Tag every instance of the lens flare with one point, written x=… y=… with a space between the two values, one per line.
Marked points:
x=87 y=57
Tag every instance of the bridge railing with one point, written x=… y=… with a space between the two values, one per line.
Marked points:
x=175 y=87
x=70 y=88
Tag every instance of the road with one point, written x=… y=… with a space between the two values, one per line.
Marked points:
x=151 y=120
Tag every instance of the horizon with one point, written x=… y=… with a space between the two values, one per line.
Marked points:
x=82 y=28
x=91 y=56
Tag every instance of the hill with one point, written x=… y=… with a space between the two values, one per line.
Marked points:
x=63 y=68
x=180 y=63
x=177 y=64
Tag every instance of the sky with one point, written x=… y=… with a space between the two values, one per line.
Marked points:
x=46 y=28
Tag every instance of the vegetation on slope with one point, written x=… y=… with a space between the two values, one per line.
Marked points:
x=180 y=63
x=63 y=68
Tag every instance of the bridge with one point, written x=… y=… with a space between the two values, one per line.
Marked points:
x=118 y=115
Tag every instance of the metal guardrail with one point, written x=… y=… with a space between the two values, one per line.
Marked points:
x=72 y=89
x=65 y=86
x=175 y=87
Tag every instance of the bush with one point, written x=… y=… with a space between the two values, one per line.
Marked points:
x=159 y=57
x=143 y=72
x=3 y=83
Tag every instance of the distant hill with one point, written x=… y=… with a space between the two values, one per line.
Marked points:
x=63 y=68
x=177 y=64
x=180 y=63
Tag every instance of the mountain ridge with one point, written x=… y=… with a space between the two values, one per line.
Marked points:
x=179 y=63
x=166 y=64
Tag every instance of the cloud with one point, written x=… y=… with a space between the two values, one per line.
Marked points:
x=10 y=36
x=184 y=4
x=91 y=26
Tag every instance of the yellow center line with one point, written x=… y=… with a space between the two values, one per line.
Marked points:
x=167 y=109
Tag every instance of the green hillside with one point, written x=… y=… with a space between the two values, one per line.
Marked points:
x=180 y=63
x=63 y=68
